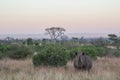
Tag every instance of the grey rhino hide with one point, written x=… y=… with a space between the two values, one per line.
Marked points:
x=82 y=61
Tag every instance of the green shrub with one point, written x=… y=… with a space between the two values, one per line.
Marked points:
x=52 y=55
x=18 y=52
x=4 y=47
x=71 y=53
x=114 y=52
x=102 y=51
x=1 y=55
x=89 y=50
x=38 y=48
x=29 y=41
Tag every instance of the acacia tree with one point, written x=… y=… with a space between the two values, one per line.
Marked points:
x=115 y=39
x=55 y=32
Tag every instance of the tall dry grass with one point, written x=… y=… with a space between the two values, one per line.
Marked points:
x=103 y=69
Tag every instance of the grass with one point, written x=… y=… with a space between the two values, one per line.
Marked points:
x=103 y=69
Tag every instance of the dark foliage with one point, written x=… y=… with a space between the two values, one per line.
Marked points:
x=52 y=55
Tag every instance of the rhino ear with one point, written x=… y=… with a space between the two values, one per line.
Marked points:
x=76 y=53
x=83 y=53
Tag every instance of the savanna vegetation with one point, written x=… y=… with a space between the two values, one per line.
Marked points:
x=52 y=59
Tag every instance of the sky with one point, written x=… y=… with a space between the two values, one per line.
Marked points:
x=76 y=16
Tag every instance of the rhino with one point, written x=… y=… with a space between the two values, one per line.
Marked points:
x=82 y=61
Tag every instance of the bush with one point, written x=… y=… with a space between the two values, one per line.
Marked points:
x=29 y=41
x=52 y=55
x=89 y=50
x=102 y=51
x=71 y=53
x=38 y=48
x=114 y=52
x=4 y=47
x=1 y=55
x=18 y=52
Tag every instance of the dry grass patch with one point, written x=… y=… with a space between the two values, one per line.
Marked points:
x=103 y=69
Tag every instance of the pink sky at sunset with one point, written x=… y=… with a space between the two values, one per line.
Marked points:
x=76 y=16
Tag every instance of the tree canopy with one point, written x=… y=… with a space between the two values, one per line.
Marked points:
x=55 y=32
